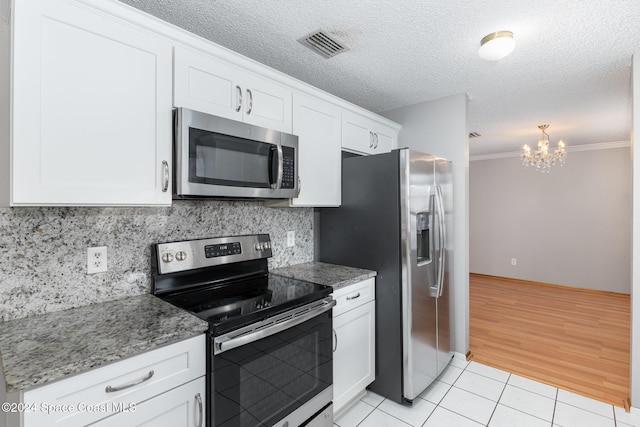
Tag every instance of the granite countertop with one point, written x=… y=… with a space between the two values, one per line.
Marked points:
x=337 y=276
x=39 y=349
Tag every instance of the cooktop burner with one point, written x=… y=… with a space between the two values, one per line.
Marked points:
x=246 y=301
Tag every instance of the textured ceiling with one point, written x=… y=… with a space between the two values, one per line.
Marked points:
x=570 y=67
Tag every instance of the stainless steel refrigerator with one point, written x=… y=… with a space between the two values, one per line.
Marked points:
x=394 y=218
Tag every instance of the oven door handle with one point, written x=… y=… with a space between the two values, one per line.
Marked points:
x=229 y=341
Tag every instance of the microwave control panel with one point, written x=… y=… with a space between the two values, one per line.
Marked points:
x=288 y=167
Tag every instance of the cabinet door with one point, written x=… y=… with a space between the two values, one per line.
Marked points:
x=354 y=355
x=268 y=104
x=182 y=406
x=356 y=133
x=364 y=135
x=91 y=109
x=385 y=138
x=317 y=124
x=205 y=84
x=212 y=85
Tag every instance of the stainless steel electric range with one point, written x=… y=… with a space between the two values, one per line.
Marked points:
x=270 y=339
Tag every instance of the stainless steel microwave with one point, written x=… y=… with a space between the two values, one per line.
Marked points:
x=218 y=157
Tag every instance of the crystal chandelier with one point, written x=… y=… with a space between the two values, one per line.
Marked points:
x=542 y=159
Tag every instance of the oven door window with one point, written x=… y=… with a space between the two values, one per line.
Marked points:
x=230 y=161
x=262 y=382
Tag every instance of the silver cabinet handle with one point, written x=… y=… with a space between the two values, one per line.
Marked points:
x=110 y=389
x=354 y=297
x=201 y=414
x=335 y=336
x=370 y=139
x=375 y=140
x=250 y=105
x=165 y=176
x=238 y=98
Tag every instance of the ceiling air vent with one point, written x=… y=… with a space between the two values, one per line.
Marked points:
x=474 y=134
x=323 y=44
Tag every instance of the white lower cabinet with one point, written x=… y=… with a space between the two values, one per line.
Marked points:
x=182 y=406
x=162 y=387
x=354 y=343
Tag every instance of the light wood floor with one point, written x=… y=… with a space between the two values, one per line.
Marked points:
x=575 y=339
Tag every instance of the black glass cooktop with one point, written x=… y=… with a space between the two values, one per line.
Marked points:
x=235 y=304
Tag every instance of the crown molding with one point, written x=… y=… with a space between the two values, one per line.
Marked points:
x=569 y=148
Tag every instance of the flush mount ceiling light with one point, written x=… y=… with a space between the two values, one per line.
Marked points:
x=496 y=45
x=542 y=159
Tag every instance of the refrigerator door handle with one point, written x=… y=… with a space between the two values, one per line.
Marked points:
x=442 y=237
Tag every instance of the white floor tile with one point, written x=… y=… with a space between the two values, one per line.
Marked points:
x=459 y=362
x=354 y=415
x=471 y=402
x=504 y=416
x=632 y=418
x=570 y=416
x=435 y=392
x=415 y=414
x=591 y=405
x=469 y=405
x=372 y=398
x=450 y=375
x=480 y=385
x=442 y=417
x=379 y=418
x=488 y=371
x=533 y=386
x=528 y=402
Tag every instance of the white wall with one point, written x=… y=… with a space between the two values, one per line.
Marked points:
x=439 y=127
x=570 y=227
x=635 y=265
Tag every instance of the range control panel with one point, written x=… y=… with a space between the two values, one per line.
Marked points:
x=222 y=249
x=191 y=254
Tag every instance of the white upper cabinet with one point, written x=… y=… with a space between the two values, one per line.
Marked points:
x=212 y=85
x=318 y=125
x=367 y=136
x=91 y=109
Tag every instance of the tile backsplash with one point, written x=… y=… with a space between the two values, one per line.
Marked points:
x=43 y=250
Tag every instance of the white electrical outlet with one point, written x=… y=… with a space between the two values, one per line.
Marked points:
x=96 y=259
x=291 y=238
x=514 y=261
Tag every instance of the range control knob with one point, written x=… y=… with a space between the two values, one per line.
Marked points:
x=257 y=246
x=181 y=255
x=167 y=257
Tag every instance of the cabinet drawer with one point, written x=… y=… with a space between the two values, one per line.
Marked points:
x=353 y=296
x=90 y=396
x=182 y=406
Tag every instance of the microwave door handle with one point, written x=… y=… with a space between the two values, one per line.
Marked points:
x=280 y=167
x=276 y=185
